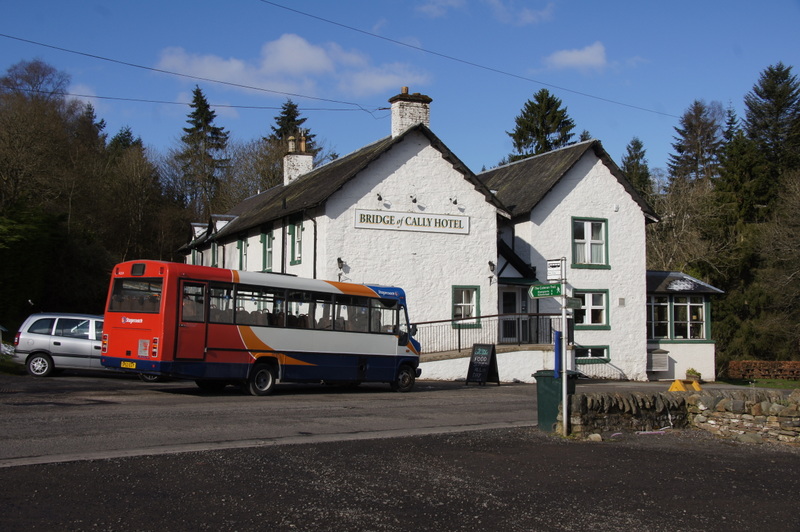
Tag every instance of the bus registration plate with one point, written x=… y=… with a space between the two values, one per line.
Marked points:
x=126 y=364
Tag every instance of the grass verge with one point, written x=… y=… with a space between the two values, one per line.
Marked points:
x=781 y=384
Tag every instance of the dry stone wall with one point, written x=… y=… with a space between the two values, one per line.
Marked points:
x=764 y=369
x=747 y=415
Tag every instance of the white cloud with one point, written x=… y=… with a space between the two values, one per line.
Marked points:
x=507 y=12
x=438 y=8
x=593 y=57
x=293 y=55
x=378 y=80
x=292 y=64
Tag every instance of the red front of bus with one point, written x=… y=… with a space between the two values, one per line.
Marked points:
x=138 y=332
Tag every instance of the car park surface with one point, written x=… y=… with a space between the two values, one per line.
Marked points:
x=113 y=453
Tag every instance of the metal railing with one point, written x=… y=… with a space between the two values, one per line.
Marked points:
x=509 y=329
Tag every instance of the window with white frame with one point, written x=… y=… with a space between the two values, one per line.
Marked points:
x=266 y=251
x=241 y=244
x=466 y=304
x=584 y=353
x=296 y=235
x=593 y=313
x=658 y=316
x=589 y=242
x=688 y=317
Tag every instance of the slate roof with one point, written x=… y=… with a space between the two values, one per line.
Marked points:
x=314 y=188
x=659 y=282
x=521 y=185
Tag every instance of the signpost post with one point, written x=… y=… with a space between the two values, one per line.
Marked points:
x=556 y=272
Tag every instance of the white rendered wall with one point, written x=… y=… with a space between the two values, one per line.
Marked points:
x=589 y=190
x=426 y=265
x=683 y=356
x=514 y=366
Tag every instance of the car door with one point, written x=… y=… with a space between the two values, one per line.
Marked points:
x=96 y=340
x=71 y=344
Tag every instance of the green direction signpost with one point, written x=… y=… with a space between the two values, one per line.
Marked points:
x=544 y=290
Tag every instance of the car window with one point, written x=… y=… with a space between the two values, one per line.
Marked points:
x=98 y=330
x=73 y=328
x=43 y=326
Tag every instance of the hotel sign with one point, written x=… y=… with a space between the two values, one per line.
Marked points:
x=410 y=221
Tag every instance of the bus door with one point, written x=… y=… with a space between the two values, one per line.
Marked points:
x=192 y=323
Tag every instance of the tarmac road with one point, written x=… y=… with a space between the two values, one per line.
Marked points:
x=510 y=479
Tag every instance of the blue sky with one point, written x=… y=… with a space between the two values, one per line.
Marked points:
x=622 y=68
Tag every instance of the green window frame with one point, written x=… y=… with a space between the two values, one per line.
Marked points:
x=590 y=243
x=678 y=318
x=594 y=311
x=466 y=303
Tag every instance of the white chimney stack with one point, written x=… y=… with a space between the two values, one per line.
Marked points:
x=297 y=162
x=408 y=110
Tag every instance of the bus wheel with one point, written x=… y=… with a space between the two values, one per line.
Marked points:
x=211 y=386
x=405 y=380
x=261 y=380
x=39 y=365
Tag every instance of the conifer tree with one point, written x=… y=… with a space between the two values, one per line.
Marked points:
x=698 y=143
x=635 y=168
x=289 y=124
x=202 y=155
x=772 y=117
x=542 y=126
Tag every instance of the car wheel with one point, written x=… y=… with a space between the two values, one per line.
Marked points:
x=405 y=379
x=40 y=365
x=261 y=380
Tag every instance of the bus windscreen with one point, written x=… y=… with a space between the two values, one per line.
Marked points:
x=136 y=295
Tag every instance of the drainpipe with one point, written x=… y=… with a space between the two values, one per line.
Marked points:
x=313 y=220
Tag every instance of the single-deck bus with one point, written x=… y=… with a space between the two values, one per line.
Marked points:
x=219 y=327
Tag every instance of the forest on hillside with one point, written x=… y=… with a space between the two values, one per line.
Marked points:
x=727 y=201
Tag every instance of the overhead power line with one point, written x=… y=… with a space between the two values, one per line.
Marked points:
x=190 y=76
x=465 y=62
x=165 y=102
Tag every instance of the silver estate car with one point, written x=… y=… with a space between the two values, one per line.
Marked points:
x=50 y=341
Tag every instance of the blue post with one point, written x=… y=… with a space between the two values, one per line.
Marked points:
x=557 y=354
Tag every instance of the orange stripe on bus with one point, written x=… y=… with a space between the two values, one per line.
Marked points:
x=353 y=289
x=253 y=343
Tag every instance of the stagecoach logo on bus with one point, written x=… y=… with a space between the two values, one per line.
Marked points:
x=405 y=221
x=383 y=293
x=125 y=319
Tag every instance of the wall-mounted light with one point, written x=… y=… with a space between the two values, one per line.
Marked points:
x=454 y=201
x=413 y=198
x=380 y=198
x=340 y=263
x=491 y=266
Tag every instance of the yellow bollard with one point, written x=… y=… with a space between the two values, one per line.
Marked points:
x=680 y=386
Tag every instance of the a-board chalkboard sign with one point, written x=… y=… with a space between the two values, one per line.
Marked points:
x=483 y=365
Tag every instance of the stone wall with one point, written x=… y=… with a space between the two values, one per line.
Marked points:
x=746 y=415
x=762 y=369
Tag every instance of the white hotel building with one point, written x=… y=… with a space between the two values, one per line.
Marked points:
x=405 y=211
